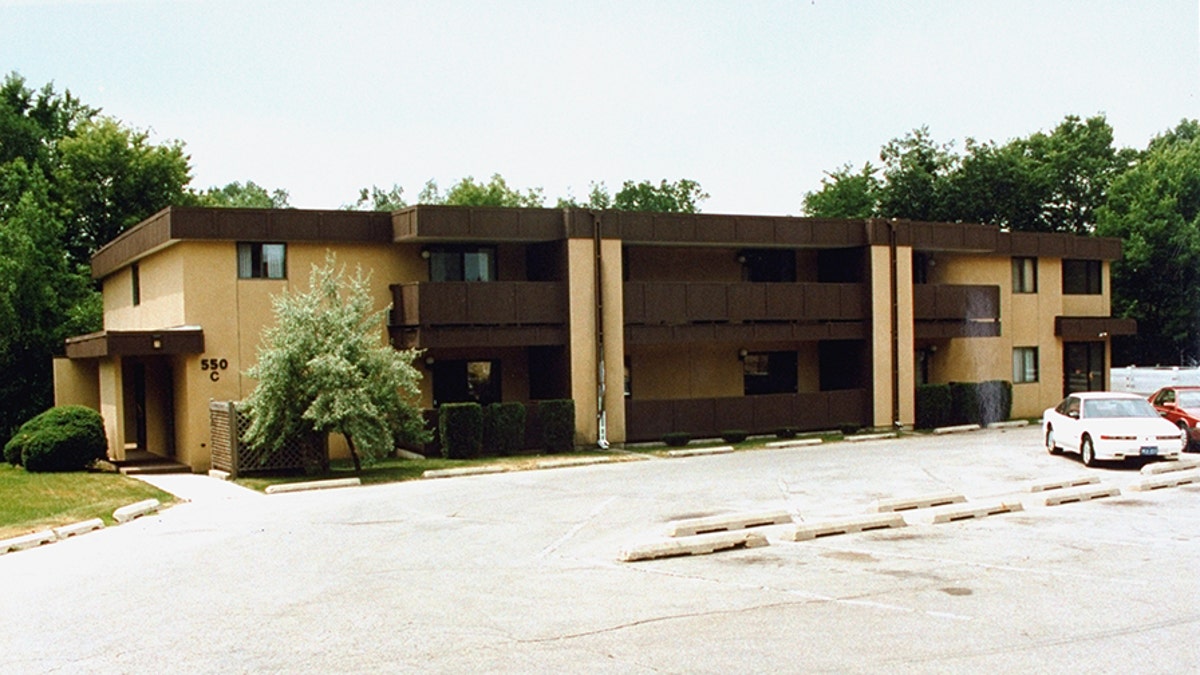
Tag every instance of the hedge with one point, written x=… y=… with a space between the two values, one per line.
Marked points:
x=934 y=406
x=504 y=428
x=980 y=402
x=677 y=439
x=66 y=438
x=558 y=424
x=460 y=426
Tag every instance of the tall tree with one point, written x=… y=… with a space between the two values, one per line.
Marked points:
x=244 y=196
x=324 y=366
x=468 y=192
x=376 y=198
x=845 y=193
x=1154 y=207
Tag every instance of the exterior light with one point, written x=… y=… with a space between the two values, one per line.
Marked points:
x=425 y=253
x=742 y=354
x=156 y=342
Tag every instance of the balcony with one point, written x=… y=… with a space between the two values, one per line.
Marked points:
x=947 y=311
x=492 y=313
x=647 y=420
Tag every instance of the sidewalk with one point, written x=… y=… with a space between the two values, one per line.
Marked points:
x=198 y=488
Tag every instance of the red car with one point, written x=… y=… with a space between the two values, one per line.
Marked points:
x=1181 y=405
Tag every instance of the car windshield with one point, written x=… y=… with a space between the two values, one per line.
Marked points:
x=1189 y=399
x=1118 y=407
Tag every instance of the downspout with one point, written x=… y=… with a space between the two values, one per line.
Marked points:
x=601 y=413
x=895 y=285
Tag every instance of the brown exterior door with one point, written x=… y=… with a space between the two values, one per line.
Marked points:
x=1083 y=367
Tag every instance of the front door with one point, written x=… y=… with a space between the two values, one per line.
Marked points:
x=1083 y=367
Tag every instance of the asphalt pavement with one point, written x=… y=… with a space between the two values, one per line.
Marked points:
x=520 y=572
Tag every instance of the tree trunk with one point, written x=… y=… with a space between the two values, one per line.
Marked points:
x=354 y=454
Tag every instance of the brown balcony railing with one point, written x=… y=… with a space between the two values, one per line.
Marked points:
x=647 y=420
x=678 y=303
x=489 y=303
x=940 y=302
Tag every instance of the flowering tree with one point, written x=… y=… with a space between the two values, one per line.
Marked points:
x=322 y=367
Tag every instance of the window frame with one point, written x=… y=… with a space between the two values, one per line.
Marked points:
x=459 y=254
x=1025 y=366
x=1024 y=274
x=253 y=261
x=1082 y=277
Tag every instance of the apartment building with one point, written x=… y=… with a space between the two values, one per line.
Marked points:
x=650 y=322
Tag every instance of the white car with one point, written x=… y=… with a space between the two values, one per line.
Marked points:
x=1106 y=425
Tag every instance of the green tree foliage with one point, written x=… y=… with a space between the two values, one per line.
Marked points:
x=110 y=177
x=1154 y=207
x=681 y=196
x=248 y=196
x=1047 y=182
x=468 y=192
x=845 y=194
x=376 y=198
x=323 y=367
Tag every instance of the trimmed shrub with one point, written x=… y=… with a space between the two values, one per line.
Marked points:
x=933 y=403
x=504 y=428
x=734 y=435
x=677 y=439
x=558 y=424
x=66 y=438
x=849 y=429
x=460 y=426
x=980 y=402
x=786 y=432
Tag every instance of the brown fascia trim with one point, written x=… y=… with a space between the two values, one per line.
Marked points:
x=176 y=223
x=1092 y=327
x=989 y=239
x=179 y=340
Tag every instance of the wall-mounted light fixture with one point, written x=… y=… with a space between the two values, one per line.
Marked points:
x=742 y=354
x=741 y=259
x=425 y=253
x=156 y=341
x=429 y=361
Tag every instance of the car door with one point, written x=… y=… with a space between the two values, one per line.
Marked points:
x=1069 y=426
x=1164 y=403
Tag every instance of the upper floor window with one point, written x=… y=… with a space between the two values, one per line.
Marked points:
x=262 y=261
x=1024 y=275
x=462 y=263
x=136 y=282
x=1081 y=277
x=769 y=373
x=769 y=265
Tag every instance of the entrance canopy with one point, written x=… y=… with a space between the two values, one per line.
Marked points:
x=176 y=340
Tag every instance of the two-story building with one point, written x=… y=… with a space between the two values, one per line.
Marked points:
x=650 y=322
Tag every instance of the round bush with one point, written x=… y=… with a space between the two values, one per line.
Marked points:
x=67 y=438
x=734 y=435
x=677 y=439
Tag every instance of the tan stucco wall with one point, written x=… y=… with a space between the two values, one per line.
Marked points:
x=881 y=334
x=581 y=287
x=77 y=382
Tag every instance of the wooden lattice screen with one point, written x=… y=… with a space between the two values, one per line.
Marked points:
x=229 y=453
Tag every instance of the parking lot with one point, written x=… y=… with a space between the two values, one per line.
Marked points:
x=521 y=572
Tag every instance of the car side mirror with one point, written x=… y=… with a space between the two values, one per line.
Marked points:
x=1073 y=414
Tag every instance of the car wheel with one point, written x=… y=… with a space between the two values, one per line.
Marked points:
x=1086 y=452
x=1051 y=446
x=1187 y=437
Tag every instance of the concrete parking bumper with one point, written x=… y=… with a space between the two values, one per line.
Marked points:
x=848 y=525
x=698 y=545
x=722 y=523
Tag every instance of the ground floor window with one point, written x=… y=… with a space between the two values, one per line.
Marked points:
x=769 y=373
x=461 y=381
x=1025 y=365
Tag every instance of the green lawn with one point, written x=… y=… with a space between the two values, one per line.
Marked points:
x=30 y=502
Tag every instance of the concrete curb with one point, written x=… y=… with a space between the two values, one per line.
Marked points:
x=1062 y=484
x=575 y=461
x=312 y=485
x=1181 y=464
x=1058 y=497
x=956 y=513
x=939 y=431
x=406 y=454
x=845 y=526
x=81 y=527
x=698 y=545
x=27 y=541
x=794 y=443
x=870 y=437
x=1010 y=424
x=463 y=471
x=907 y=503
x=135 y=510
x=699 y=452
x=1167 y=481
x=218 y=474
x=734 y=521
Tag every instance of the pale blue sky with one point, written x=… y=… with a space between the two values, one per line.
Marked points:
x=755 y=100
